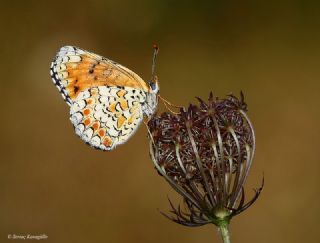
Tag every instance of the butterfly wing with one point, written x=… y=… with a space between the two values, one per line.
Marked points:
x=74 y=70
x=106 y=116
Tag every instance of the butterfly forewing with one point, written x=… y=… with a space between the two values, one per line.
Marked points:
x=74 y=70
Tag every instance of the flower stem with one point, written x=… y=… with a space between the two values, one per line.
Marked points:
x=223 y=228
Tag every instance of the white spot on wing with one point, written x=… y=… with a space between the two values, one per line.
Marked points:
x=87 y=134
x=79 y=129
x=62 y=75
x=76 y=118
x=74 y=58
x=95 y=141
x=113 y=132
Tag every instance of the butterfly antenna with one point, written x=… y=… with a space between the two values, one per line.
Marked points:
x=166 y=103
x=155 y=54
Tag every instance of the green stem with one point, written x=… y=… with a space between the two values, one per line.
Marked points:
x=223 y=228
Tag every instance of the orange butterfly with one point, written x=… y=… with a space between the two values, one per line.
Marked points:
x=107 y=100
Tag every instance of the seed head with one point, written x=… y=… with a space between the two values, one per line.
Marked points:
x=205 y=153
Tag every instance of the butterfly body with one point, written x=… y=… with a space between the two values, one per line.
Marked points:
x=107 y=100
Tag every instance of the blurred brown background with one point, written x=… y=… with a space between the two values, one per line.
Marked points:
x=52 y=183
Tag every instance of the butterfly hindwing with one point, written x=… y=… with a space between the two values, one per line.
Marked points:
x=107 y=116
x=74 y=70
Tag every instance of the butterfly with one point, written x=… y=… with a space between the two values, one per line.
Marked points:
x=107 y=101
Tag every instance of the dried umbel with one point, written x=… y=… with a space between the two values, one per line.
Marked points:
x=205 y=153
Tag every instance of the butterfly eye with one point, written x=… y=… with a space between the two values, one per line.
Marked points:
x=153 y=85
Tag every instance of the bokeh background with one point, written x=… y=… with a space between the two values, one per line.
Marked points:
x=52 y=183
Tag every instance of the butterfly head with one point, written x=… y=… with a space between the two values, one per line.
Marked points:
x=151 y=99
x=154 y=85
x=152 y=95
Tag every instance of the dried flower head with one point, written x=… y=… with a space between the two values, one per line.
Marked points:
x=205 y=153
